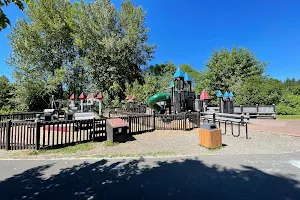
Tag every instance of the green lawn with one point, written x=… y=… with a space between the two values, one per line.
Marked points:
x=288 y=116
x=66 y=150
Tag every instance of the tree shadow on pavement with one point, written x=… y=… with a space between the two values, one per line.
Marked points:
x=186 y=179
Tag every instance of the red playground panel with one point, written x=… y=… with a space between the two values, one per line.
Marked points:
x=57 y=128
x=116 y=122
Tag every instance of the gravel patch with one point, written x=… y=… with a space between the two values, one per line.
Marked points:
x=175 y=143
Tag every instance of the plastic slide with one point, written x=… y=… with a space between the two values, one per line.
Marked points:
x=156 y=98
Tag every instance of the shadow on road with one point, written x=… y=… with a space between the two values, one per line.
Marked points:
x=187 y=179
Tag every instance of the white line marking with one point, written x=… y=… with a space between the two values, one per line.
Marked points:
x=296 y=163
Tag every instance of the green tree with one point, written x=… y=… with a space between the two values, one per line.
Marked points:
x=161 y=69
x=43 y=52
x=292 y=86
x=228 y=70
x=289 y=105
x=5 y=91
x=4 y=21
x=115 y=42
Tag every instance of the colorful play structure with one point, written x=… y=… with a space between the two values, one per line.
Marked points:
x=179 y=98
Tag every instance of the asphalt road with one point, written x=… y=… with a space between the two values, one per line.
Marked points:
x=274 y=176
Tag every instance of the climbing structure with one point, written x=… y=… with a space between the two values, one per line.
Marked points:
x=178 y=97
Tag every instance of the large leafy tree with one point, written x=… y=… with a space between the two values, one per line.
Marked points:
x=42 y=51
x=228 y=70
x=65 y=47
x=113 y=43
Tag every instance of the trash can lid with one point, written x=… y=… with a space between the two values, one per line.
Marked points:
x=209 y=126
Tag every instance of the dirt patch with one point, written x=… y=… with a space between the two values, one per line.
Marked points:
x=277 y=126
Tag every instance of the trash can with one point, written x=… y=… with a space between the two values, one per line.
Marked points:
x=210 y=136
x=48 y=117
x=69 y=115
x=116 y=130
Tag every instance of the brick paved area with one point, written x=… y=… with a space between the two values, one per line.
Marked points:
x=276 y=126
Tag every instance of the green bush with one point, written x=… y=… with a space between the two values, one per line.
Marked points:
x=289 y=105
x=6 y=110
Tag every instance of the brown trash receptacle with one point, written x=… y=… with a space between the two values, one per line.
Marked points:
x=116 y=130
x=210 y=136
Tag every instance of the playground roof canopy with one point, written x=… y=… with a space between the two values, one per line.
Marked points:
x=219 y=94
x=72 y=97
x=226 y=94
x=178 y=73
x=99 y=96
x=82 y=96
x=90 y=96
x=204 y=96
x=187 y=77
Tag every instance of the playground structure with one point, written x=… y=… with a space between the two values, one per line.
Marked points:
x=179 y=97
x=135 y=107
x=225 y=102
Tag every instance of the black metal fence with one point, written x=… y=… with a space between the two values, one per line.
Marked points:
x=139 y=123
x=15 y=135
x=38 y=135
x=3 y=134
x=19 y=116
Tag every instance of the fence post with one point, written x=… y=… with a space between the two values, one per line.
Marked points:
x=198 y=119
x=274 y=108
x=242 y=118
x=129 y=124
x=242 y=110
x=184 y=124
x=153 y=120
x=38 y=135
x=214 y=117
x=94 y=129
x=8 y=132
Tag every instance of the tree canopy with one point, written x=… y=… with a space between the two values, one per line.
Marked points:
x=4 y=20
x=74 y=47
x=65 y=47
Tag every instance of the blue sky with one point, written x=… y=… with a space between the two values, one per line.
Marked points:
x=188 y=31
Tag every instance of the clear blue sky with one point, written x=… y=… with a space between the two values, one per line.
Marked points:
x=188 y=31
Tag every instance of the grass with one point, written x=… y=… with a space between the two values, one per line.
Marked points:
x=213 y=149
x=66 y=150
x=288 y=116
x=151 y=154
x=110 y=143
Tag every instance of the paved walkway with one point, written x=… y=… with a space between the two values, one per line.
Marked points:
x=277 y=126
x=204 y=177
